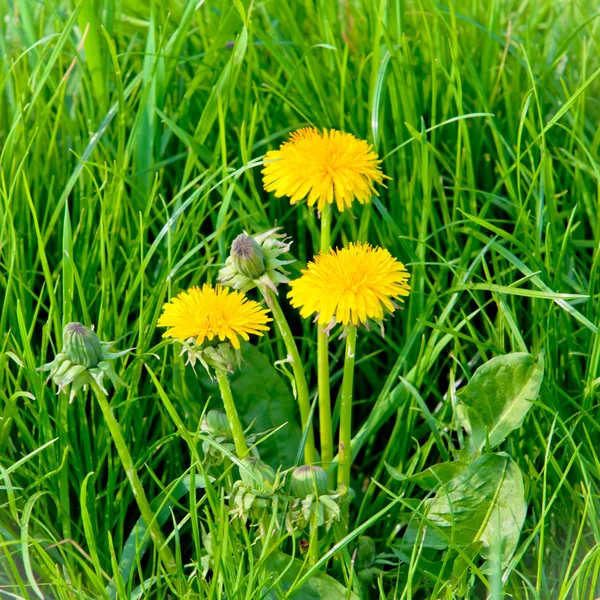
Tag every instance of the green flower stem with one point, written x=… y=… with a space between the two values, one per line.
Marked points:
x=236 y=426
x=134 y=480
x=325 y=425
x=326 y=227
x=299 y=375
x=326 y=428
x=345 y=453
x=65 y=501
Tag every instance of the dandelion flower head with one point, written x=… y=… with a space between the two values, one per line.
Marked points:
x=323 y=167
x=350 y=285
x=209 y=313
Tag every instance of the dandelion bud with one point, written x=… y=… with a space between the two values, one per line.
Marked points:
x=255 y=261
x=309 y=479
x=257 y=475
x=81 y=345
x=84 y=359
x=248 y=256
x=217 y=424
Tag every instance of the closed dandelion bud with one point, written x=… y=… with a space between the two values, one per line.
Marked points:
x=365 y=553
x=248 y=256
x=257 y=475
x=81 y=345
x=84 y=359
x=217 y=424
x=309 y=479
x=255 y=261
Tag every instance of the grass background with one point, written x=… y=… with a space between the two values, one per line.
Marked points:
x=131 y=136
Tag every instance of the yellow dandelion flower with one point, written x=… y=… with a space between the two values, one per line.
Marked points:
x=323 y=167
x=213 y=312
x=350 y=285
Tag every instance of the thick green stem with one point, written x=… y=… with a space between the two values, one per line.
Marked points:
x=345 y=452
x=298 y=369
x=326 y=227
x=325 y=426
x=65 y=501
x=134 y=480
x=234 y=421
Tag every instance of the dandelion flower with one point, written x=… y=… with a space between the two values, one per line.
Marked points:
x=211 y=313
x=323 y=167
x=350 y=286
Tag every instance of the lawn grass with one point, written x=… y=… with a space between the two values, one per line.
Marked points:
x=131 y=137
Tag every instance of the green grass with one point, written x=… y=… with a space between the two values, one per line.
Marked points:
x=128 y=163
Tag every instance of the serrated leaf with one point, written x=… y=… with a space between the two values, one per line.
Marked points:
x=484 y=504
x=499 y=395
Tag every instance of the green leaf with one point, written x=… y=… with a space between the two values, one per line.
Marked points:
x=67 y=268
x=262 y=396
x=319 y=587
x=222 y=88
x=498 y=397
x=201 y=151
x=484 y=504
x=431 y=477
x=501 y=534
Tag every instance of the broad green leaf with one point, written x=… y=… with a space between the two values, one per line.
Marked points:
x=319 y=587
x=498 y=397
x=263 y=397
x=501 y=534
x=431 y=477
x=484 y=504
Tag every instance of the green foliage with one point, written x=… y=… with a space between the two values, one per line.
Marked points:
x=479 y=504
x=484 y=504
x=498 y=396
x=264 y=400
x=319 y=587
x=129 y=161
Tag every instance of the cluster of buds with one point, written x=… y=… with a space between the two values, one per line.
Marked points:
x=254 y=261
x=313 y=502
x=216 y=430
x=84 y=358
x=256 y=491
